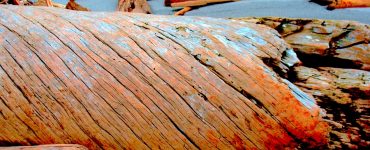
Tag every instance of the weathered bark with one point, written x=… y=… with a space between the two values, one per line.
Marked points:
x=136 y=6
x=336 y=57
x=121 y=80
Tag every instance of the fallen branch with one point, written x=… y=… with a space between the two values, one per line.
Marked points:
x=182 y=11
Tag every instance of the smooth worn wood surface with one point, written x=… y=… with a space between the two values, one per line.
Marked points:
x=136 y=81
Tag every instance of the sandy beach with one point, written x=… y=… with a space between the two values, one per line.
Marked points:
x=278 y=8
x=246 y=8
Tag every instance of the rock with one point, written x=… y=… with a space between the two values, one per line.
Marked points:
x=342 y=86
x=350 y=146
x=340 y=44
x=336 y=145
x=335 y=124
x=343 y=137
x=136 y=81
x=47 y=147
x=355 y=138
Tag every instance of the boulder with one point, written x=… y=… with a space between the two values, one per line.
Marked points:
x=136 y=81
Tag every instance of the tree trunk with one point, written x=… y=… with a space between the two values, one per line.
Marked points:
x=121 y=80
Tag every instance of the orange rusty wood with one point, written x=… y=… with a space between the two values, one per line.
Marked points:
x=182 y=11
x=349 y=4
x=47 y=147
x=136 y=81
x=186 y=3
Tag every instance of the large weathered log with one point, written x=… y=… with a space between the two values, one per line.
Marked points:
x=120 y=80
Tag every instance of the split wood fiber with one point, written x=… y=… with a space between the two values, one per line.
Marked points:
x=136 y=81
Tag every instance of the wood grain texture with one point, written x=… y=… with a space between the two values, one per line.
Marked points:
x=136 y=81
x=47 y=147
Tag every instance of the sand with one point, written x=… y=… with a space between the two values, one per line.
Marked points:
x=246 y=8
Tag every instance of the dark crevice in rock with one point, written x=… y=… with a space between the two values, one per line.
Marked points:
x=346 y=116
x=315 y=61
x=357 y=93
x=274 y=65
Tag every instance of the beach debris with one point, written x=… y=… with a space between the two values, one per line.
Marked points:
x=47 y=3
x=337 y=4
x=188 y=5
x=183 y=11
x=16 y=2
x=126 y=80
x=135 y=6
x=72 y=5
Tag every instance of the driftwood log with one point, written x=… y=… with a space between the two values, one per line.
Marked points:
x=120 y=80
